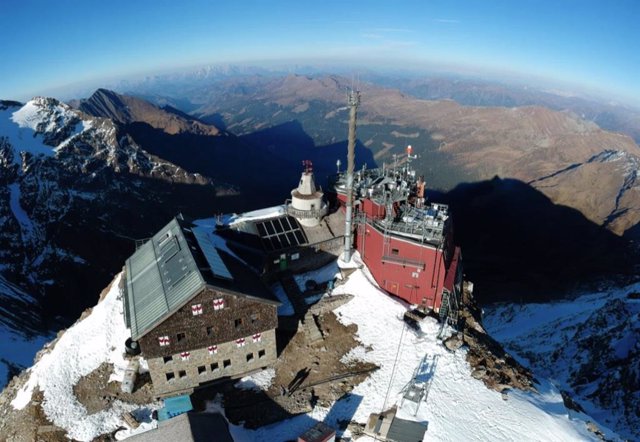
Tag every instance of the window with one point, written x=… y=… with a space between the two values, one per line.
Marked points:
x=182 y=374
x=214 y=366
x=164 y=341
x=241 y=342
x=395 y=251
x=226 y=363
x=166 y=359
x=202 y=369
x=255 y=317
x=238 y=322
x=196 y=309
x=181 y=336
x=170 y=376
x=213 y=349
x=257 y=337
x=209 y=330
x=250 y=357
x=218 y=304
x=261 y=354
x=185 y=355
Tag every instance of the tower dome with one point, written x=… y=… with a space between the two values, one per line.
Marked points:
x=306 y=200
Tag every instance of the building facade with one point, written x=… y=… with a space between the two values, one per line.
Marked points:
x=198 y=314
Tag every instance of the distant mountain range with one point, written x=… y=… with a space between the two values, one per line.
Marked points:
x=570 y=159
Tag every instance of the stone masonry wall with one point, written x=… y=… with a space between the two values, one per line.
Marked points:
x=240 y=317
x=173 y=374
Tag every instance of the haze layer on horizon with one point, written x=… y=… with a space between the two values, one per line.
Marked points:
x=587 y=45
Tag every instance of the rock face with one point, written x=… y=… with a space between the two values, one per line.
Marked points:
x=75 y=191
x=126 y=109
x=489 y=361
x=590 y=345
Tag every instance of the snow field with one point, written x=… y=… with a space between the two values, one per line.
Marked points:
x=458 y=407
x=20 y=126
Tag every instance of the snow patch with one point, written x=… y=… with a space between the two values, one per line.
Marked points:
x=285 y=308
x=323 y=274
x=257 y=381
x=96 y=339
x=256 y=215
x=26 y=225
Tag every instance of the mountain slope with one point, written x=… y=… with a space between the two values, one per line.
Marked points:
x=125 y=109
x=75 y=192
x=589 y=345
x=454 y=143
x=457 y=406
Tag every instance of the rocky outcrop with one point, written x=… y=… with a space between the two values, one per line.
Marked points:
x=489 y=361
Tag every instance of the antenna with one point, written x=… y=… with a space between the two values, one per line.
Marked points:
x=353 y=100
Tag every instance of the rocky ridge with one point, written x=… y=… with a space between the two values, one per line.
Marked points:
x=75 y=191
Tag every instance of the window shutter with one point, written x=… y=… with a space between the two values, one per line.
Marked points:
x=164 y=341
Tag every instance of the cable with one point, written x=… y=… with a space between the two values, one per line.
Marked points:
x=395 y=363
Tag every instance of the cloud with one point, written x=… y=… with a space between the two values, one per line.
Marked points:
x=393 y=30
x=448 y=21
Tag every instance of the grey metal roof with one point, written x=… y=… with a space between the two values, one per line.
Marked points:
x=189 y=427
x=161 y=276
x=402 y=430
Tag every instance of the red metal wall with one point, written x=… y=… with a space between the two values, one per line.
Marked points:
x=407 y=281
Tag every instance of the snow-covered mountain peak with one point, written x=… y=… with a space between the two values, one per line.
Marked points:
x=39 y=126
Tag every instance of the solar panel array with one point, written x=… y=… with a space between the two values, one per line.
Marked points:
x=281 y=233
x=211 y=254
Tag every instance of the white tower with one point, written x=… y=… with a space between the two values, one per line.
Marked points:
x=306 y=201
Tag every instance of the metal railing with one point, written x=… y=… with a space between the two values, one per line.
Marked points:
x=305 y=214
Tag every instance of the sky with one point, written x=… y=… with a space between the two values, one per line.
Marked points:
x=586 y=44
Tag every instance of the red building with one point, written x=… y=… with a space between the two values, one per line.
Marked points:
x=406 y=244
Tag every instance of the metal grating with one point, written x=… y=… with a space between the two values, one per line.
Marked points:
x=281 y=233
x=211 y=254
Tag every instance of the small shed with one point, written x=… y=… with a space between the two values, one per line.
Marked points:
x=387 y=427
x=320 y=432
x=175 y=406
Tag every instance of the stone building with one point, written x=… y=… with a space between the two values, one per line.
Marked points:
x=198 y=313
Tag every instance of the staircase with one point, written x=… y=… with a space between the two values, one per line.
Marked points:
x=449 y=308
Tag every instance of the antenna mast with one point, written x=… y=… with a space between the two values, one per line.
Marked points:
x=353 y=100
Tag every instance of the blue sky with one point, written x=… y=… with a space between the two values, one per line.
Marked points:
x=48 y=44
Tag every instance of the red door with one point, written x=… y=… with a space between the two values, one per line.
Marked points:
x=391 y=287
